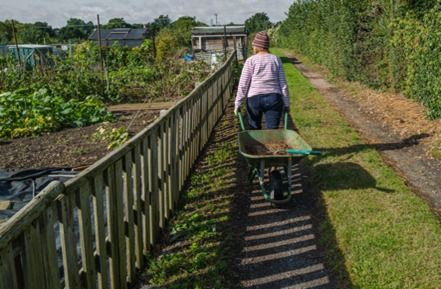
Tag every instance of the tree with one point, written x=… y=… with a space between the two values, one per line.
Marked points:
x=39 y=32
x=5 y=32
x=258 y=22
x=182 y=28
x=166 y=44
x=157 y=25
x=75 y=29
x=117 y=23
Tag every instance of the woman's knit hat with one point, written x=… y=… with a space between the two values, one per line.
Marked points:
x=261 y=40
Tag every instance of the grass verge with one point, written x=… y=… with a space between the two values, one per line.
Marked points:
x=198 y=239
x=389 y=237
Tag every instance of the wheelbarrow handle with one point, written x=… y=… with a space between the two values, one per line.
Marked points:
x=242 y=125
x=303 y=152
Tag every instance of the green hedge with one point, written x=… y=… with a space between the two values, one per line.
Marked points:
x=386 y=44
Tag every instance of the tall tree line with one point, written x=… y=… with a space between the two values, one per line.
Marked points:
x=75 y=30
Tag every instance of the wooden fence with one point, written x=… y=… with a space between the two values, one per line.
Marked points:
x=96 y=230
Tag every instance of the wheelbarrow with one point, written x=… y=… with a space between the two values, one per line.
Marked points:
x=273 y=149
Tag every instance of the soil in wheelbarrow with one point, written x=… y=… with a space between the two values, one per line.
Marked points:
x=267 y=149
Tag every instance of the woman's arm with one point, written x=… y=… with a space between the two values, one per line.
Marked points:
x=244 y=84
x=283 y=84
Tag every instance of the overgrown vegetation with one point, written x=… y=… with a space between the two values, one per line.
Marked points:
x=64 y=93
x=385 y=44
x=24 y=113
x=385 y=236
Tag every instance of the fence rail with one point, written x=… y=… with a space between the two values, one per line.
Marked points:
x=96 y=230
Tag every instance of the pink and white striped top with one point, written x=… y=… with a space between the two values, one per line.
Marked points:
x=262 y=74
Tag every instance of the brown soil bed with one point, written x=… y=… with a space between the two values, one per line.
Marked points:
x=267 y=149
x=69 y=148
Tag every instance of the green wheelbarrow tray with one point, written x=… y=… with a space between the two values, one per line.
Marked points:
x=255 y=138
x=297 y=149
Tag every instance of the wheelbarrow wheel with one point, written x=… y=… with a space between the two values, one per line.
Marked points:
x=276 y=184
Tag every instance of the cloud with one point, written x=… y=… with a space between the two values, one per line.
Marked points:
x=56 y=13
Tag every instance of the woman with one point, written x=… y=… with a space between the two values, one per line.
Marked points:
x=263 y=84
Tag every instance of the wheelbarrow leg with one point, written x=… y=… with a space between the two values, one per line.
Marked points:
x=289 y=174
x=262 y=179
x=252 y=174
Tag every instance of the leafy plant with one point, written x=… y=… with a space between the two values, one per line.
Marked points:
x=114 y=137
x=25 y=113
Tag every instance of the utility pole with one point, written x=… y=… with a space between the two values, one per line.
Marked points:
x=215 y=15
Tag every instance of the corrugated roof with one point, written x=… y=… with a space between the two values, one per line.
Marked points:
x=32 y=46
x=119 y=34
x=218 y=30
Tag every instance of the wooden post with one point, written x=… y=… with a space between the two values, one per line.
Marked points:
x=16 y=42
x=98 y=29
x=103 y=75
x=235 y=47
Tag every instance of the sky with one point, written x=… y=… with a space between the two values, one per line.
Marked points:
x=56 y=12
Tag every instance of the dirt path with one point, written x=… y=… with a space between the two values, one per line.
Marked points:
x=281 y=247
x=408 y=156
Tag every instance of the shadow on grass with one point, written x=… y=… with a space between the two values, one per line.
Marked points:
x=345 y=176
x=404 y=143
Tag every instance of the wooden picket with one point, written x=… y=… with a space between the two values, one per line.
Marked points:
x=105 y=221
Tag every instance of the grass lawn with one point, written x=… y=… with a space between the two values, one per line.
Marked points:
x=387 y=237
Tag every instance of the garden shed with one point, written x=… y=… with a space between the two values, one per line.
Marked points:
x=130 y=37
x=213 y=40
x=32 y=55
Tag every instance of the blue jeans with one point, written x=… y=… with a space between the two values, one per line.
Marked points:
x=269 y=104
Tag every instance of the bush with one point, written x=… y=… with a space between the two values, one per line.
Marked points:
x=130 y=83
x=166 y=45
x=384 y=44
